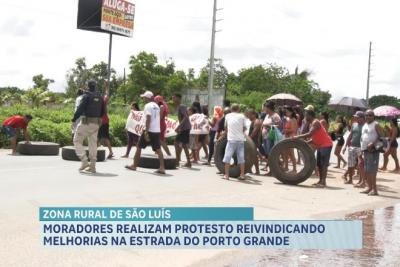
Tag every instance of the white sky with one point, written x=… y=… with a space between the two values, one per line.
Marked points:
x=329 y=38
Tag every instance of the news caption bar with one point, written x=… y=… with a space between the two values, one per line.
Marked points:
x=190 y=228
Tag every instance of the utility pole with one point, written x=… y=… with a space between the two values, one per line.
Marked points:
x=369 y=72
x=211 y=72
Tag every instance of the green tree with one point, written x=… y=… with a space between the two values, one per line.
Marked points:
x=40 y=82
x=148 y=74
x=220 y=75
x=381 y=100
x=77 y=77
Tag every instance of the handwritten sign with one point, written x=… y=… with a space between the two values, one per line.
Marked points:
x=200 y=124
x=136 y=122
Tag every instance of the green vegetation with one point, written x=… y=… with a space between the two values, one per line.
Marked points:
x=54 y=125
x=249 y=87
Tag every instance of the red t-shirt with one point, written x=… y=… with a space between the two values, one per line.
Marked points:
x=321 y=138
x=105 y=119
x=16 y=122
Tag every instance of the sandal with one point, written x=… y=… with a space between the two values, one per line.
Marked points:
x=225 y=177
x=159 y=172
x=242 y=178
x=110 y=156
x=373 y=194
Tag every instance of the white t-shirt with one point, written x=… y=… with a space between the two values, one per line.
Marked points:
x=368 y=135
x=235 y=122
x=153 y=110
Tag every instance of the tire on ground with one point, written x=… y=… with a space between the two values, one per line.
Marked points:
x=38 y=148
x=250 y=155
x=68 y=153
x=308 y=159
x=151 y=161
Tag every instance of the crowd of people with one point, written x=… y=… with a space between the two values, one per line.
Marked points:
x=361 y=136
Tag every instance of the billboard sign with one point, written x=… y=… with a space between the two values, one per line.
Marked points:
x=108 y=16
x=117 y=16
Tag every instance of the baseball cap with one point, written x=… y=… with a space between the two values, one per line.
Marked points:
x=147 y=94
x=359 y=114
x=309 y=107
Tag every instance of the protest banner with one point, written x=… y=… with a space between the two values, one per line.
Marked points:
x=200 y=124
x=135 y=124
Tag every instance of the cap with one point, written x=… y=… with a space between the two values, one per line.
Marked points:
x=309 y=107
x=158 y=98
x=147 y=94
x=359 y=114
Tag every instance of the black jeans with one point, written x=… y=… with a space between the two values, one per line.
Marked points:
x=211 y=145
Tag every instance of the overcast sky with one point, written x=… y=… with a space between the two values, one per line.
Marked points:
x=329 y=38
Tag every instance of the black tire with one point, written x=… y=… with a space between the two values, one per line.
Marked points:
x=68 y=153
x=151 y=161
x=308 y=158
x=250 y=155
x=38 y=148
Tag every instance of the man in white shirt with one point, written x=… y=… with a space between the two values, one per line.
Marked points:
x=235 y=126
x=151 y=135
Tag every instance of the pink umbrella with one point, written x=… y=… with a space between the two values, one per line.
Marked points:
x=386 y=111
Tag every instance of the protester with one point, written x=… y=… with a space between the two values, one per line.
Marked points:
x=132 y=137
x=339 y=132
x=90 y=111
x=221 y=124
x=78 y=101
x=290 y=130
x=163 y=125
x=371 y=132
x=104 y=131
x=217 y=116
x=11 y=127
x=322 y=142
x=353 y=142
x=203 y=139
x=151 y=134
x=235 y=127
x=255 y=133
x=183 y=130
x=325 y=120
x=300 y=119
x=272 y=119
x=394 y=133
x=193 y=139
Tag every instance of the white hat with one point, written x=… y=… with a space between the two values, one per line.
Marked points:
x=147 y=94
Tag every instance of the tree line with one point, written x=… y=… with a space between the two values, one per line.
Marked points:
x=249 y=86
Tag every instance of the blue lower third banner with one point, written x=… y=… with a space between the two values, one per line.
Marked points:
x=202 y=234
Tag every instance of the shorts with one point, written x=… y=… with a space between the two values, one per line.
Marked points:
x=233 y=147
x=323 y=157
x=371 y=161
x=202 y=137
x=394 y=144
x=268 y=145
x=192 y=142
x=183 y=137
x=9 y=131
x=154 y=141
x=104 y=131
x=340 y=141
x=354 y=153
